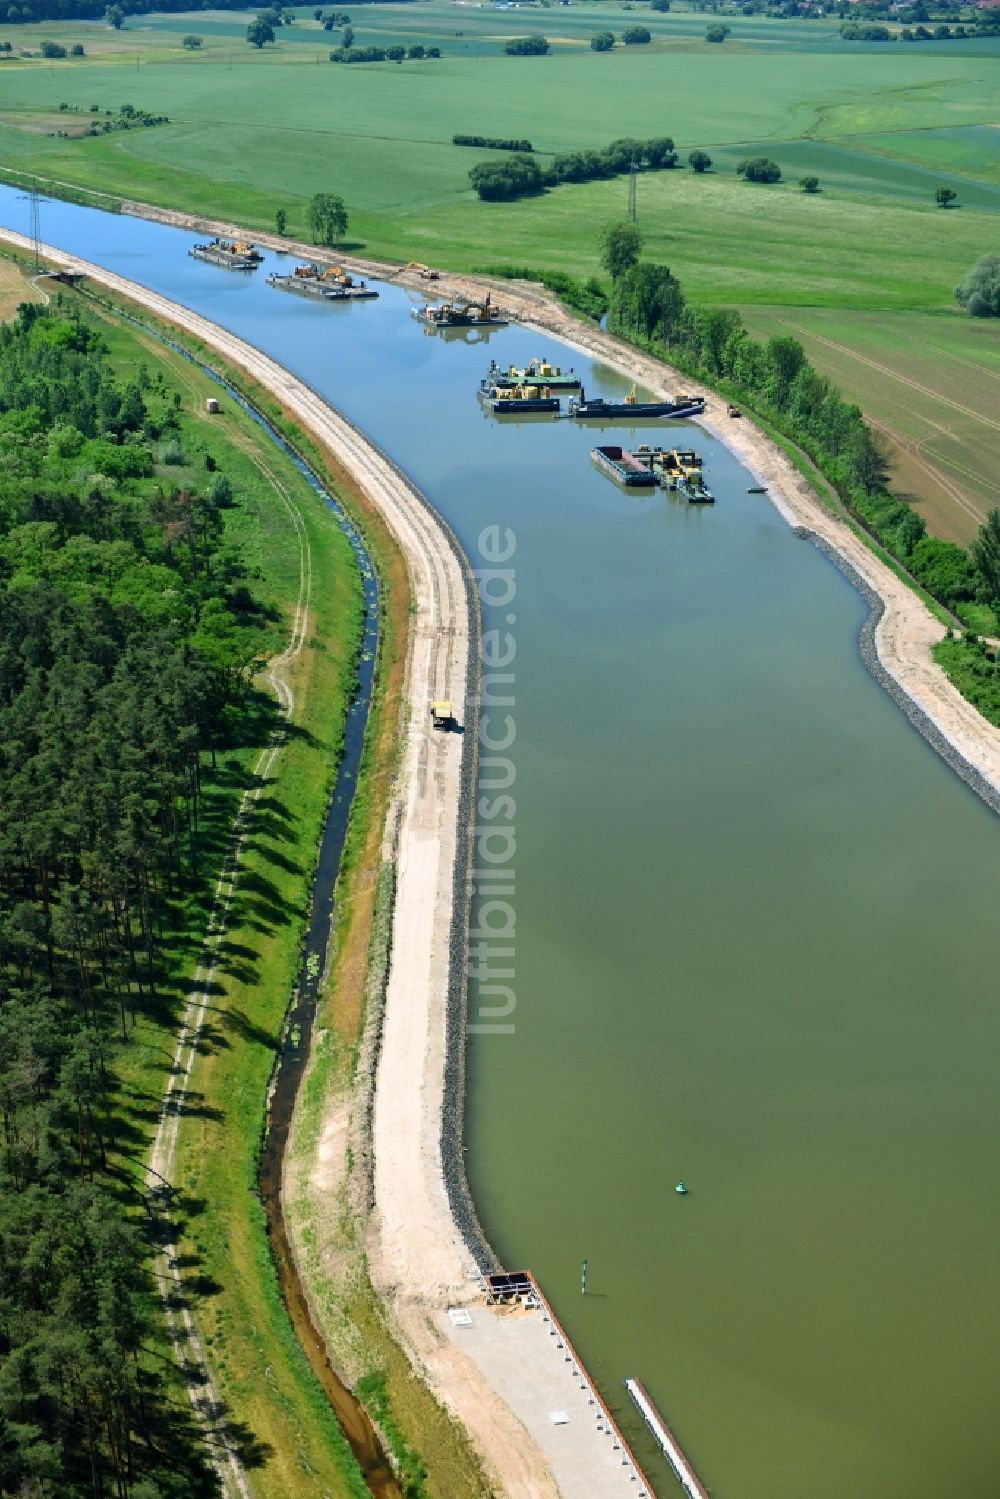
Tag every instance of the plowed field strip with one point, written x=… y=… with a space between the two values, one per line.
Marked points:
x=890 y=374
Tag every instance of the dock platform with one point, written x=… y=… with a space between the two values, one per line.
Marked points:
x=511 y=1335
x=666 y=1441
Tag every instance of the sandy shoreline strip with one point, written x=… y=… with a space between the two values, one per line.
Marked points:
x=419 y=1259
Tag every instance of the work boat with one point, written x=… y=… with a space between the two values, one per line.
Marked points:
x=331 y=284
x=503 y=400
x=234 y=254
x=596 y=406
x=694 y=489
x=464 y=314
x=535 y=372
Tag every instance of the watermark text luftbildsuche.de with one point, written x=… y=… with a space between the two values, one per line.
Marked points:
x=493 y=929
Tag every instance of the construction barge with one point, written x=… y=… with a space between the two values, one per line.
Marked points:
x=535 y=372
x=463 y=314
x=677 y=469
x=593 y=407
x=624 y=467
x=670 y=465
x=331 y=284
x=505 y=400
x=234 y=254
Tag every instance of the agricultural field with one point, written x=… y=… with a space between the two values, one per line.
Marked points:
x=881 y=125
x=931 y=383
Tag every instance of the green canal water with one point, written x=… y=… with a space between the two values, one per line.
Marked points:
x=756 y=941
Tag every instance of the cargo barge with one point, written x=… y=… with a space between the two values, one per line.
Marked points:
x=234 y=254
x=463 y=314
x=583 y=406
x=502 y=400
x=624 y=467
x=329 y=285
x=535 y=372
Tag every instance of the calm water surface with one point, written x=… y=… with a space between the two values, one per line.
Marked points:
x=756 y=940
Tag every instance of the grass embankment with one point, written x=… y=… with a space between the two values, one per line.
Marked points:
x=321 y=1171
x=288 y=1433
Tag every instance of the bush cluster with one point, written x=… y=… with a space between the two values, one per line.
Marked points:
x=127 y=118
x=588 y=297
x=491 y=143
x=862 y=33
x=501 y=180
x=759 y=169
x=527 y=46
x=939 y=34
x=615 y=159
x=382 y=54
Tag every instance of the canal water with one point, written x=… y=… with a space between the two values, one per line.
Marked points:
x=755 y=945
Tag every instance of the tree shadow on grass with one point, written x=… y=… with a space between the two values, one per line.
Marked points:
x=239 y=1023
x=259 y=903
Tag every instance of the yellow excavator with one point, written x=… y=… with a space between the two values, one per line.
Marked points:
x=423 y=271
x=244 y=248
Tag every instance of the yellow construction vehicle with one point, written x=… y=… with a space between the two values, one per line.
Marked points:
x=243 y=247
x=441 y=714
x=423 y=271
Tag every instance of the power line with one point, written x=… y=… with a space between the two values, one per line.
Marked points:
x=633 y=169
x=36 y=229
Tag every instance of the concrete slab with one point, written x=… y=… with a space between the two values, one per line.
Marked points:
x=526 y=1359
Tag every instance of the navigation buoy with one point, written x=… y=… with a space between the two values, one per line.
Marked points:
x=681 y=1189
